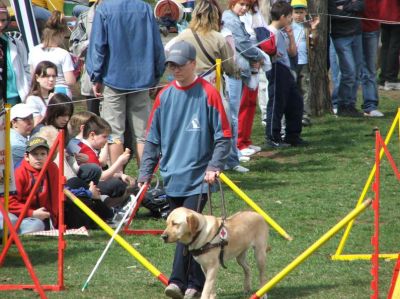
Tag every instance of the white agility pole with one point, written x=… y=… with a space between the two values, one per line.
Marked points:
x=131 y=207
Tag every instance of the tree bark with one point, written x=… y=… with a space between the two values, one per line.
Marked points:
x=320 y=95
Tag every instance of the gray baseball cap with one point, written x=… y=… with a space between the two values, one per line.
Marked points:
x=181 y=52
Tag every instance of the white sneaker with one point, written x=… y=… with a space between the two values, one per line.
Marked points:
x=392 y=85
x=244 y=159
x=241 y=169
x=247 y=151
x=373 y=113
x=255 y=147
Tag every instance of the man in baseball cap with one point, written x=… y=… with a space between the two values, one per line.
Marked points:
x=180 y=53
x=21 y=127
x=187 y=114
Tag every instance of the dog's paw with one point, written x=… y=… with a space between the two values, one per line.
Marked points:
x=265 y=296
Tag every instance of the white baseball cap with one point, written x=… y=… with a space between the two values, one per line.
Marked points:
x=20 y=111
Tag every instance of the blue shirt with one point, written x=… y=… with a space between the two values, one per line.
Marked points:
x=282 y=45
x=186 y=123
x=299 y=33
x=125 y=49
x=18 y=147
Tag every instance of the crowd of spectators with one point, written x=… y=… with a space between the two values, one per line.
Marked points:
x=193 y=131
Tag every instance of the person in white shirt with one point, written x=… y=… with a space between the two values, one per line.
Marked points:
x=42 y=85
x=53 y=37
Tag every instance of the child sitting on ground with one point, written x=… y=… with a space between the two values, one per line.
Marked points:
x=113 y=182
x=43 y=210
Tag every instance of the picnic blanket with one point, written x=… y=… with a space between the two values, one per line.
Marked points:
x=82 y=231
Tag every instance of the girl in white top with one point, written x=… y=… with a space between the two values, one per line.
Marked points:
x=53 y=37
x=43 y=82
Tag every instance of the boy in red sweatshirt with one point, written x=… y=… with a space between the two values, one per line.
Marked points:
x=44 y=206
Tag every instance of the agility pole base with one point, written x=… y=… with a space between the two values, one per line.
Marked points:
x=121 y=241
x=339 y=256
x=310 y=250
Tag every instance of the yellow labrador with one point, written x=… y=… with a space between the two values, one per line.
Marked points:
x=212 y=242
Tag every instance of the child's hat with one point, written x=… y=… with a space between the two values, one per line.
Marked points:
x=36 y=142
x=299 y=3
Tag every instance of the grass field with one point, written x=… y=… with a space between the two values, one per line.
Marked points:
x=306 y=190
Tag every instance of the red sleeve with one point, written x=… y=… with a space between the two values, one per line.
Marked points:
x=17 y=201
x=269 y=45
x=214 y=100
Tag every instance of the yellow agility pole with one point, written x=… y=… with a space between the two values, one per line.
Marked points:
x=7 y=168
x=310 y=250
x=218 y=74
x=255 y=207
x=153 y=270
x=339 y=250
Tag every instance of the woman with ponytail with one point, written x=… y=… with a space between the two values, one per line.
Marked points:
x=51 y=49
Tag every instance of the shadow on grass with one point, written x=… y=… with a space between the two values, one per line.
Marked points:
x=288 y=292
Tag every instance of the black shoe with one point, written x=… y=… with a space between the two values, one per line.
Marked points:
x=276 y=144
x=296 y=141
x=349 y=111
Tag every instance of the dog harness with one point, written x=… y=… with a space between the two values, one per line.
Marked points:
x=222 y=235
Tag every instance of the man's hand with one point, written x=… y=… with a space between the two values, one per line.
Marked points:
x=97 y=89
x=41 y=214
x=211 y=176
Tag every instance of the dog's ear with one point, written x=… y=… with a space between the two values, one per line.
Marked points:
x=193 y=223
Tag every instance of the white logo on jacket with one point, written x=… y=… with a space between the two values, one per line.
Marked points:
x=194 y=124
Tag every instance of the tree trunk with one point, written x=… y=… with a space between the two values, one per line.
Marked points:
x=320 y=95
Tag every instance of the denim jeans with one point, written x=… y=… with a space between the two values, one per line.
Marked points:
x=41 y=13
x=234 y=90
x=368 y=71
x=186 y=272
x=349 y=52
x=335 y=73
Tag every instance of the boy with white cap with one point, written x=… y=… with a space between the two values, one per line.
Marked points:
x=21 y=128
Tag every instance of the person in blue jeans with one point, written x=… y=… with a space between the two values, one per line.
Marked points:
x=335 y=75
x=347 y=39
x=370 y=40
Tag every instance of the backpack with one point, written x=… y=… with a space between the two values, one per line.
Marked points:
x=155 y=200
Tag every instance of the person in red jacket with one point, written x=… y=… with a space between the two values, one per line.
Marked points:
x=43 y=210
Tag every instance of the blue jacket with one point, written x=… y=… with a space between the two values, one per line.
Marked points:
x=245 y=49
x=125 y=49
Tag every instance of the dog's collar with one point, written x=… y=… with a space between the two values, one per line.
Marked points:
x=221 y=233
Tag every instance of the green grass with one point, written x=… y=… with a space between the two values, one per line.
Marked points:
x=306 y=190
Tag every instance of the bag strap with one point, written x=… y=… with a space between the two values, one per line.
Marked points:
x=196 y=36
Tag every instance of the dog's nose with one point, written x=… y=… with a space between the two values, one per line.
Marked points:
x=164 y=237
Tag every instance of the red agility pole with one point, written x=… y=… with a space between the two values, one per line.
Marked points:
x=61 y=242
x=379 y=145
x=129 y=231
